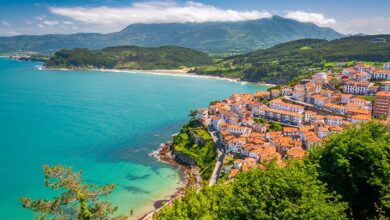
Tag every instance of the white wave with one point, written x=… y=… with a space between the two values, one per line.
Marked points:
x=39 y=67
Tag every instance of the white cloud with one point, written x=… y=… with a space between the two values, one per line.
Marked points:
x=50 y=22
x=40 y=17
x=12 y=32
x=378 y=25
x=156 y=12
x=316 y=18
x=5 y=23
x=67 y=22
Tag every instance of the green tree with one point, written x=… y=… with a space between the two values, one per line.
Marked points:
x=356 y=164
x=274 y=126
x=275 y=193
x=77 y=200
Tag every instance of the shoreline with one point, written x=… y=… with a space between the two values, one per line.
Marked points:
x=166 y=72
x=164 y=155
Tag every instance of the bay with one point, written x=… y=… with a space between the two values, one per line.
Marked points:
x=104 y=123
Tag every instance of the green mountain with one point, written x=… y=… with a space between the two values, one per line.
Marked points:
x=210 y=36
x=129 y=57
x=299 y=59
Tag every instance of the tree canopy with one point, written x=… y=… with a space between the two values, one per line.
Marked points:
x=77 y=200
x=356 y=164
x=275 y=193
x=129 y=57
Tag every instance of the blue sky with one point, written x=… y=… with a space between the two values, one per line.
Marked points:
x=71 y=16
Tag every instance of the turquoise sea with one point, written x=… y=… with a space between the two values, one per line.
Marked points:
x=103 y=123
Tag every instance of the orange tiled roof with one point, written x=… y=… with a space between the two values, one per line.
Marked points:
x=318 y=96
x=361 y=117
x=359 y=111
x=334 y=105
x=334 y=117
x=233 y=172
x=383 y=71
x=296 y=152
x=282 y=112
x=335 y=128
x=290 y=129
x=310 y=112
x=383 y=93
x=354 y=83
x=286 y=104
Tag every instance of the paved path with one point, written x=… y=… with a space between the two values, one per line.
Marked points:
x=220 y=157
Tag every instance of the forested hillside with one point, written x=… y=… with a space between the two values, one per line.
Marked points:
x=299 y=59
x=129 y=57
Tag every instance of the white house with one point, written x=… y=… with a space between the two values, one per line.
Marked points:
x=319 y=100
x=256 y=108
x=234 y=145
x=238 y=130
x=229 y=117
x=216 y=122
x=360 y=118
x=309 y=116
x=381 y=74
x=279 y=104
x=321 y=75
x=386 y=66
x=287 y=117
x=364 y=68
x=339 y=109
x=286 y=91
x=334 y=120
x=201 y=114
x=345 y=98
x=385 y=86
x=356 y=88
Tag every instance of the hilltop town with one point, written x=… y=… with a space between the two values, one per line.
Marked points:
x=287 y=121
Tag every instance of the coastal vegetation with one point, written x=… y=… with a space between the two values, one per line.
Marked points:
x=129 y=57
x=300 y=59
x=274 y=193
x=76 y=200
x=356 y=164
x=346 y=177
x=195 y=141
x=35 y=58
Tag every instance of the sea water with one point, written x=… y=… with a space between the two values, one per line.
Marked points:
x=103 y=123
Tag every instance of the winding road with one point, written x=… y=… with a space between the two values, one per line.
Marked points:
x=220 y=157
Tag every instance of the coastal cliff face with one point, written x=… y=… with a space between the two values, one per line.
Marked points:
x=193 y=146
x=183 y=158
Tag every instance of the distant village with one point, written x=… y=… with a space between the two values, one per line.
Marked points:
x=306 y=113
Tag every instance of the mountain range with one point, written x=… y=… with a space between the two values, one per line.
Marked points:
x=212 y=37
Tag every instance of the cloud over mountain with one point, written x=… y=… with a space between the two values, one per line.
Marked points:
x=316 y=18
x=156 y=12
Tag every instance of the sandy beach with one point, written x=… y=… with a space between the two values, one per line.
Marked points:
x=164 y=155
x=168 y=72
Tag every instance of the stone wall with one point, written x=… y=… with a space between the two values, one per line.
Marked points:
x=197 y=139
